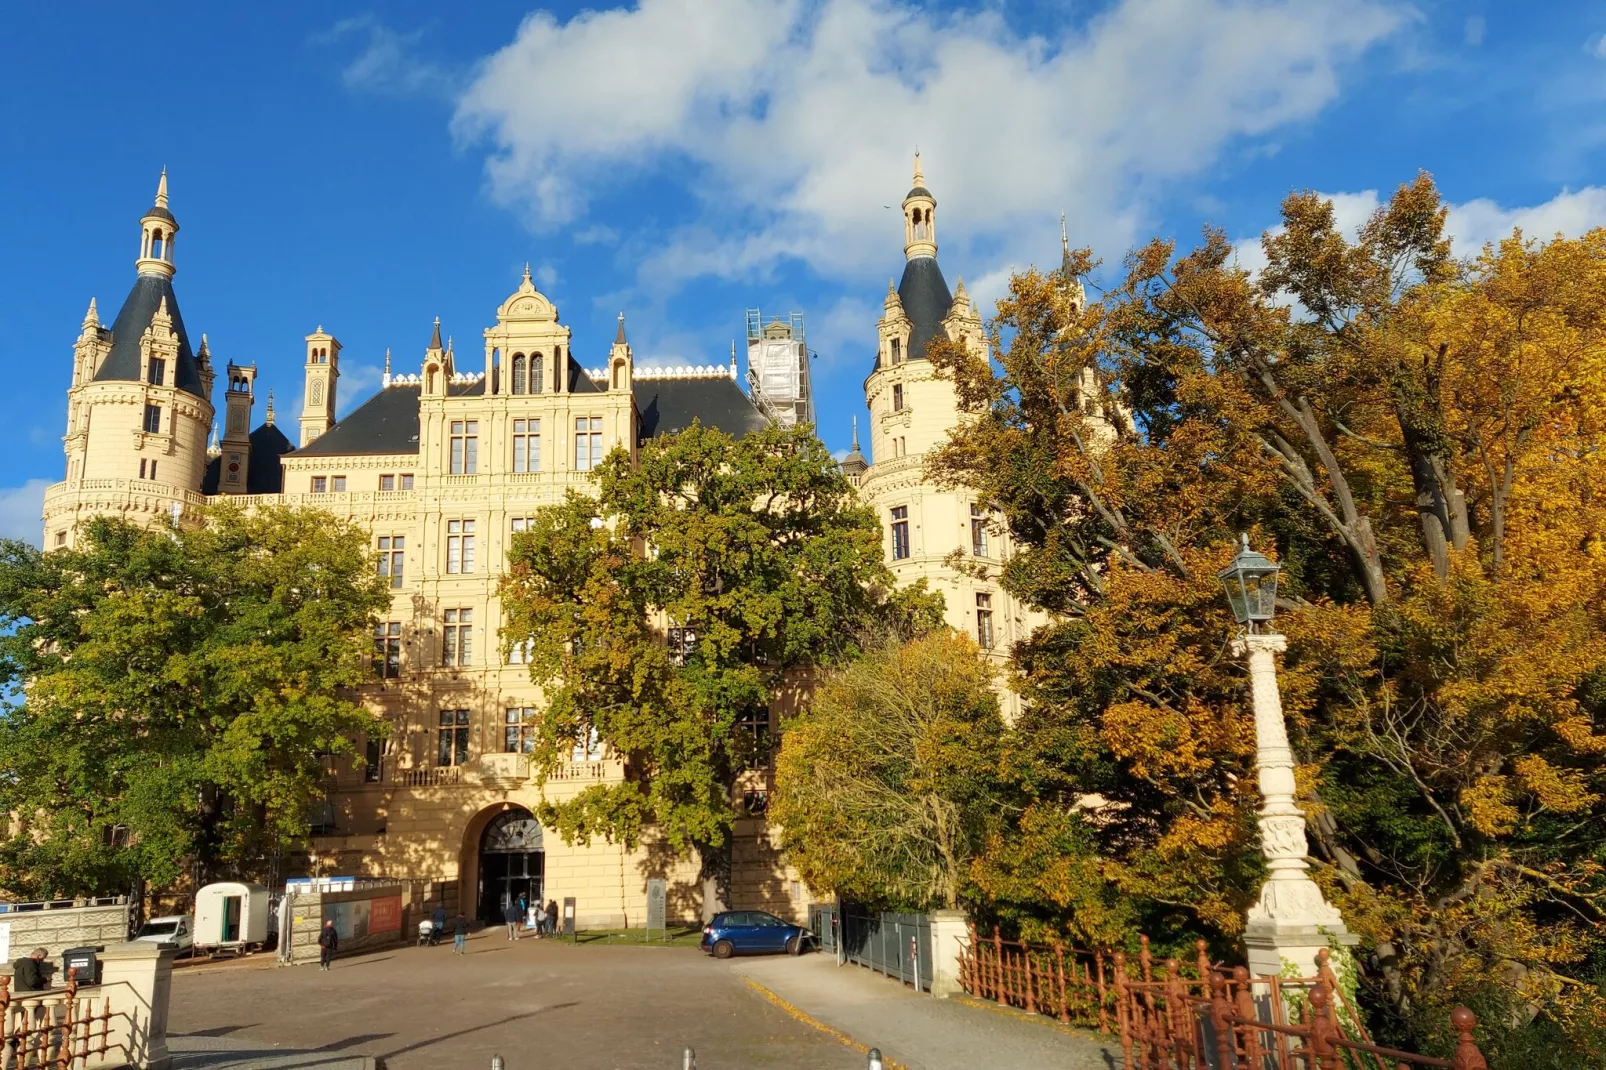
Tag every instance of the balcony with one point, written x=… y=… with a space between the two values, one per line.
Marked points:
x=500 y=772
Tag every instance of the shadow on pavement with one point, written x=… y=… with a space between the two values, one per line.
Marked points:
x=475 y=1028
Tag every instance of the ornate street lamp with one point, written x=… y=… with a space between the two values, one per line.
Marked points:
x=1251 y=582
x=1292 y=920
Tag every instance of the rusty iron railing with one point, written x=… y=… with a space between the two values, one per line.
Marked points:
x=58 y=1028
x=1070 y=985
x=1228 y=1020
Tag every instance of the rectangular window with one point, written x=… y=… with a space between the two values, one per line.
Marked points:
x=518 y=730
x=158 y=372
x=142 y=467
x=523 y=523
x=453 y=745
x=406 y=481
x=153 y=419
x=897 y=397
x=681 y=642
x=520 y=653
x=153 y=469
x=754 y=724
x=373 y=758
x=587 y=443
x=897 y=351
x=387 y=483
x=984 y=621
x=337 y=484
x=392 y=557
x=457 y=637
x=900 y=532
x=978 y=531
x=465 y=447
x=387 y=649
x=459 y=547
x=320 y=484
x=526 y=445
x=587 y=746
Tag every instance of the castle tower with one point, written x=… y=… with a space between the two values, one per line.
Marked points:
x=323 y=369
x=139 y=408
x=912 y=409
x=621 y=362
x=236 y=445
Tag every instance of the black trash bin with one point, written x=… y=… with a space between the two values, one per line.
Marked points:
x=86 y=960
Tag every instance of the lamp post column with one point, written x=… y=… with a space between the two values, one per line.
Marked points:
x=1292 y=919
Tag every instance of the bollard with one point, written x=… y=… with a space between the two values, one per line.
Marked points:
x=689 y=1060
x=875 y=1059
x=498 y=1063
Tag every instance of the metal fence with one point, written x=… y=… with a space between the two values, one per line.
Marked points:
x=896 y=945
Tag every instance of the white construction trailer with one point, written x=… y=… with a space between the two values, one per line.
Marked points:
x=231 y=915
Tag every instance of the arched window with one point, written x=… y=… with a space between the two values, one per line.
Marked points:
x=536 y=373
x=518 y=373
x=429 y=379
x=156 y=243
x=618 y=371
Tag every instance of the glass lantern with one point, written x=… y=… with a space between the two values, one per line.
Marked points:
x=1251 y=583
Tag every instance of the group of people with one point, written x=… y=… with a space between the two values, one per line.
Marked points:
x=520 y=911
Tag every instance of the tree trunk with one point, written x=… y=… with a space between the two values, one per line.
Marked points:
x=209 y=844
x=716 y=877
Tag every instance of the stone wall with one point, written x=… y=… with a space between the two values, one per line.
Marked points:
x=59 y=928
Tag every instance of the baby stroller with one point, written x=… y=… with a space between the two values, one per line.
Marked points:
x=427 y=936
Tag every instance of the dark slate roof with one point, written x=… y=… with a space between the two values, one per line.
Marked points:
x=122 y=363
x=918 y=191
x=668 y=405
x=264 y=474
x=158 y=212
x=926 y=300
x=385 y=423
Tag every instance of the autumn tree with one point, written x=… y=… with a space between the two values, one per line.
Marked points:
x=890 y=782
x=755 y=562
x=1417 y=438
x=172 y=693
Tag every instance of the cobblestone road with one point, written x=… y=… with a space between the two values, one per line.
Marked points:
x=542 y=1005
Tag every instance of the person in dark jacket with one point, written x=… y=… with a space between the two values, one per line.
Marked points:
x=31 y=973
x=328 y=944
x=460 y=934
x=439 y=920
x=552 y=917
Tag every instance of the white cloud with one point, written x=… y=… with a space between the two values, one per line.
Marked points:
x=796 y=121
x=1474 y=30
x=388 y=61
x=22 y=511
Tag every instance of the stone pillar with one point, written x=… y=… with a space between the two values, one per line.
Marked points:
x=950 y=934
x=137 y=979
x=1292 y=920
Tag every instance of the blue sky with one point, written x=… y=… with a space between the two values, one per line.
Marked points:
x=368 y=168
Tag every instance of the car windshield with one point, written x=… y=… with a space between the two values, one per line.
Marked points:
x=158 y=928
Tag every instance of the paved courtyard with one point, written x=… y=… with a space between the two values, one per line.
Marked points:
x=542 y=1005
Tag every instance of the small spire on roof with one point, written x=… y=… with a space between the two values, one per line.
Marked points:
x=526 y=271
x=92 y=317
x=384 y=380
x=435 y=339
x=619 y=336
x=161 y=310
x=855 y=432
x=211 y=444
x=205 y=350
x=161 y=189
x=269 y=416
x=920 y=176
x=893 y=300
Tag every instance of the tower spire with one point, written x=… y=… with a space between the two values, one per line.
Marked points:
x=157 y=231
x=435 y=339
x=92 y=317
x=619 y=336
x=161 y=189
x=385 y=379
x=919 y=217
x=269 y=414
x=920 y=176
x=855 y=432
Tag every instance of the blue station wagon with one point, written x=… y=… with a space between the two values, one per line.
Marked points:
x=752 y=932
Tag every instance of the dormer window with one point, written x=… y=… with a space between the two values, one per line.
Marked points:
x=156 y=373
x=897 y=351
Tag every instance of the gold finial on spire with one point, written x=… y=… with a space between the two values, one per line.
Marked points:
x=269 y=416
x=161 y=189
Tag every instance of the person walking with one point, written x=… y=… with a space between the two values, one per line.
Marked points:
x=510 y=914
x=328 y=943
x=439 y=920
x=460 y=934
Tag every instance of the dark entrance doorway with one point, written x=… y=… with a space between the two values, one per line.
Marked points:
x=512 y=863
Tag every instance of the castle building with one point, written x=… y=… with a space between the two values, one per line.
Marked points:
x=441 y=467
x=912 y=410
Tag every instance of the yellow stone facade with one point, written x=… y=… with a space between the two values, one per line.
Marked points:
x=441 y=467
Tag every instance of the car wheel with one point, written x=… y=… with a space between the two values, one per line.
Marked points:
x=794 y=946
x=724 y=949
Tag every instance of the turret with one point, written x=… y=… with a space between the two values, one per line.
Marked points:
x=919 y=218
x=158 y=228
x=621 y=364
x=239 y=394
x=322 y=371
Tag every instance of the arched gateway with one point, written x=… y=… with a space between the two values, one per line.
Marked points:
x=512 y=862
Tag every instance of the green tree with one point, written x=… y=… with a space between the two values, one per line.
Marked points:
x=890 y=783
x=755 y=556
x=172 y=692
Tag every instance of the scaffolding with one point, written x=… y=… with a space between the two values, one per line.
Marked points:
x=778 y=368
